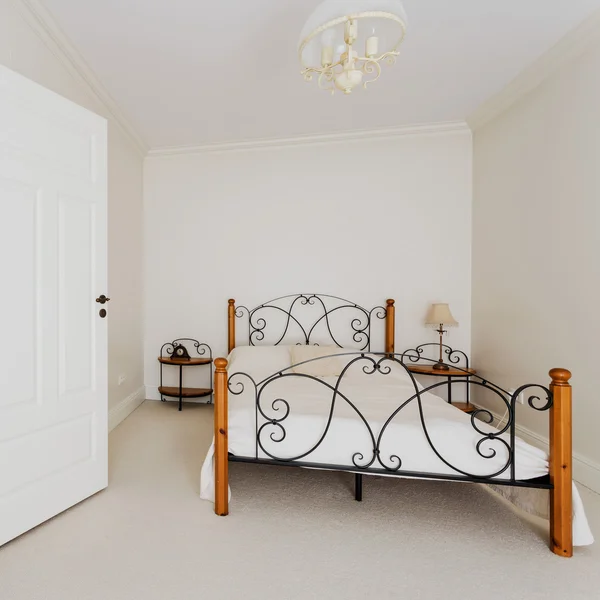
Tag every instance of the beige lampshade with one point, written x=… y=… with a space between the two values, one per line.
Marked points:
x=440 y=313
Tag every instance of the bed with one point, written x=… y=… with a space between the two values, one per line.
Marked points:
x=307 y=389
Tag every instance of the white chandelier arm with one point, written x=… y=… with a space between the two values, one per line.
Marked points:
x=307 y=72
x=388 y=57
x=329 y=86
x=369 y=67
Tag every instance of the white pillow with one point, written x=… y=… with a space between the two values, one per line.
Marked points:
x=259 y=362
x=325 y=367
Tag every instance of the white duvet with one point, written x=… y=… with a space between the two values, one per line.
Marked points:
x=298 y=432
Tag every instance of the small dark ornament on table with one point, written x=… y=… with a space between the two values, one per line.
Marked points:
x=180 y=352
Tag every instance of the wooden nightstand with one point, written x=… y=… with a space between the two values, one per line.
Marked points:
x=203 y=358
x=450 y=374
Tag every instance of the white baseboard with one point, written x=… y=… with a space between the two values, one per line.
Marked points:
x=585 y=471
x=121 y=411
x=152 y=394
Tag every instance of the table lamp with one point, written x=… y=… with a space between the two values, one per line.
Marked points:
x=440 y=315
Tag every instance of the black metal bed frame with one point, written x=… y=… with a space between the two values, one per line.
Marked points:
x=360 y=324
x=271 y=420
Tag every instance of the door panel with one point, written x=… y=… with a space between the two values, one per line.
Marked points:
x=19 y=355
x=44 y=453
x=76 y=260
x=53 y=363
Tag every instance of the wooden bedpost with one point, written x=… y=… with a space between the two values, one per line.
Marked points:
x=231 y=324
x=390 y=326
x=221 y=447
x=561 y=467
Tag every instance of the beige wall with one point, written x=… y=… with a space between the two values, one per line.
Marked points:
x=536 y=244
x=257 y=224
x=22 y=50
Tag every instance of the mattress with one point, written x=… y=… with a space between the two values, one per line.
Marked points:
x=301 y=418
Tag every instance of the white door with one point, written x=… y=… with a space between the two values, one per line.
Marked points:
x=53 y=391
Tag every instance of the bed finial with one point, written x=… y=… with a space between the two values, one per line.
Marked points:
x=560 y=376
x=231 y=324
x=220 y=365
x=390 y=326
x=561 y=464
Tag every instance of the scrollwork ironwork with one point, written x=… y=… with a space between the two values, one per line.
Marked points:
x=454 y=356
x=201 y=348
x=305 y=327
x=487 y=446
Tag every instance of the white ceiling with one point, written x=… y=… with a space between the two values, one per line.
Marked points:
x=190 y=72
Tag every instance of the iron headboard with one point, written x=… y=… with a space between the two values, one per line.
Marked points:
x=303 y=317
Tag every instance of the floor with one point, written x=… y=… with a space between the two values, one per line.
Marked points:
x=292 y=534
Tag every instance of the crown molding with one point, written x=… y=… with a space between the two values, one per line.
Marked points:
x=572 y=45
x=44 y=25
x=316 y=139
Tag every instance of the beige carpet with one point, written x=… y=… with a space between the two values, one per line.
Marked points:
x=292 y=534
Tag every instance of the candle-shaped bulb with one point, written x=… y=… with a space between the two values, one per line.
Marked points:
x=372 y=46
x=326 y=56
x=327 y=47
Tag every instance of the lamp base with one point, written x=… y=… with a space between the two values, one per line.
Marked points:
x=440 y=366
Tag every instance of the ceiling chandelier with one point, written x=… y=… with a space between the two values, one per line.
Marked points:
x=338 y=31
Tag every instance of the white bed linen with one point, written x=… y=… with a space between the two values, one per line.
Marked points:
x=376 y=396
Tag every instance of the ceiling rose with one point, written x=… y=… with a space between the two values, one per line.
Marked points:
x=344 y=42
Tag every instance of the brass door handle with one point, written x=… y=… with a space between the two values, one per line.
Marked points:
x=103 y=299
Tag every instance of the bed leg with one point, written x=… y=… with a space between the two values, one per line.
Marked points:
x=561 y=476
x=221 y=447
x=358 y=487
